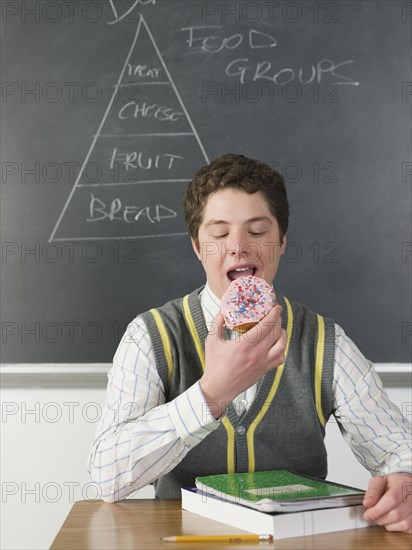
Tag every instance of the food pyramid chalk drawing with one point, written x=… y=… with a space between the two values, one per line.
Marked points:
x=142 y=156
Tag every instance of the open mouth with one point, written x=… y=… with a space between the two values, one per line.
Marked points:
x=241 y=272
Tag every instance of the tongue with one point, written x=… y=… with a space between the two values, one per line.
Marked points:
x=236 y=274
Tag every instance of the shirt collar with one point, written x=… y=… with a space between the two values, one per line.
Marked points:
x=210 y=304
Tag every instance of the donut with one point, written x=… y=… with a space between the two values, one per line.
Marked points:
x=246 y=302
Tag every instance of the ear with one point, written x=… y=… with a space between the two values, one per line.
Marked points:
x=196 y=250
x=283 y=245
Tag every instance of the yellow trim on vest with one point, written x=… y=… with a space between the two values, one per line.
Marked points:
x=230 y=445
x=193 y=331
x=320 y=348
x=226 y=423
x=271 y=395
x=165 y=341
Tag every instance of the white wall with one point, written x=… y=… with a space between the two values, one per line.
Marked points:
x=45 y=438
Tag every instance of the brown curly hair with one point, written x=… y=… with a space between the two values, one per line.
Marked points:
x=239 y=172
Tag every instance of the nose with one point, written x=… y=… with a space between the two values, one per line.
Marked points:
x=237 y=245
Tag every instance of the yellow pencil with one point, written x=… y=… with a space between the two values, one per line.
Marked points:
x=218 y=538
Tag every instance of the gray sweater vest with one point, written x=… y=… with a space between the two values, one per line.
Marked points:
x=283 y=428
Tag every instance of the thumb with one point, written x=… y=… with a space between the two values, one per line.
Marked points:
x=216 y=328
x=376 y=488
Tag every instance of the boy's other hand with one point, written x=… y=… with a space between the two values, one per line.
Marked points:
x=389 y=501
x=233 y=366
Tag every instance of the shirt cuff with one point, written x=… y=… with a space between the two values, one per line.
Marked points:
x=191 y=416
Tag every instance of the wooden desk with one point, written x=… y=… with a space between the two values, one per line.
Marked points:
x=139 y=524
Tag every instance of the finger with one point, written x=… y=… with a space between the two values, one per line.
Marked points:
x=269 y=326
x=217 y=327
x=376 y=488
x=385 y=508
x=276 y=353
x=276 y=333
x=282 y=342
x=397 y=515
x=405 y=525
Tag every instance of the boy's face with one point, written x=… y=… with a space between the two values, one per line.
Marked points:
x=238 y=236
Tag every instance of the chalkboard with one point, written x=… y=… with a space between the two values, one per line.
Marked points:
x=108 y=109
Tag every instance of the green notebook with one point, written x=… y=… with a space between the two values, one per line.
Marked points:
x=279 y=491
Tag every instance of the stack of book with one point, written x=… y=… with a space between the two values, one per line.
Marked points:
x=277 y=502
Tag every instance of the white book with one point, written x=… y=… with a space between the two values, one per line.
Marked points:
x=280 y=525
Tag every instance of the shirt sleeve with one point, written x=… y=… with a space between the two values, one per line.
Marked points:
x=140 y=437
x=379 y=435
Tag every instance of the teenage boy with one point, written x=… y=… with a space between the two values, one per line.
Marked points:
x=186 y=397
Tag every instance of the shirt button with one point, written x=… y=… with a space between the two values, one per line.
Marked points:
x=241 y=430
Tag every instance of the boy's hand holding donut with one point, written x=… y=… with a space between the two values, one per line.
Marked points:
x=232 y=366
